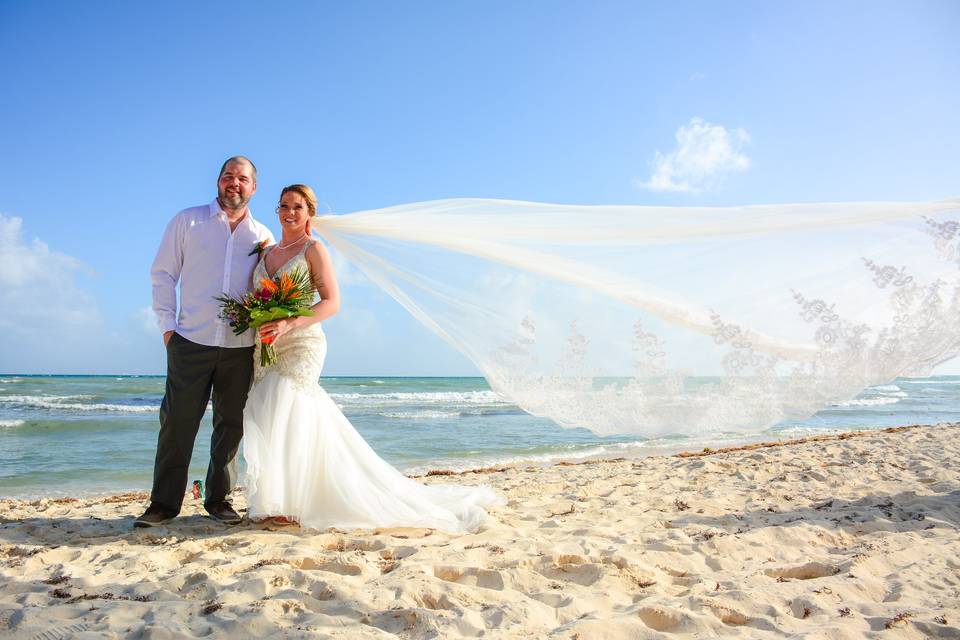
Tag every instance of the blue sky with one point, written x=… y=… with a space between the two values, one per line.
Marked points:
x=114 y=116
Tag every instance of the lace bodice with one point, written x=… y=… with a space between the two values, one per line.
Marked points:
x=301 y=352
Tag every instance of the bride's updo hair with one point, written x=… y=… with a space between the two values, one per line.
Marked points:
x=308 y=195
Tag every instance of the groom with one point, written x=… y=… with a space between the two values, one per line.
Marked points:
x=209 y=250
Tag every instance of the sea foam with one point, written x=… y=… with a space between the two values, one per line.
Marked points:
x=867 y=402
x=62 y=403
x=411 y=397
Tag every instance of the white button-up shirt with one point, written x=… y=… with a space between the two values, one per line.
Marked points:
x=200 y=252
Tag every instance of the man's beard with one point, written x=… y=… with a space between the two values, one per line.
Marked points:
x=233 y=201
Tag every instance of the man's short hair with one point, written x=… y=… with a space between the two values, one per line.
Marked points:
x=238 y=159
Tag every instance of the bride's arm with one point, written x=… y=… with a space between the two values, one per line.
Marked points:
x=325 y=282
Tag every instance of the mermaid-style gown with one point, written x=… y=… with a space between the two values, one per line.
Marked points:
x=305 y=461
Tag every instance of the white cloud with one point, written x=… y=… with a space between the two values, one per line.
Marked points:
x=51 y=324
x=37 y=285
x=147 y=320
x=705 y=153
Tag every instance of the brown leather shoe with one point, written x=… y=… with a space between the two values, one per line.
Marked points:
x=224 y=513
x=154 y=516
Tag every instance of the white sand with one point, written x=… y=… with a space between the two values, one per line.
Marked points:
x=844 y=538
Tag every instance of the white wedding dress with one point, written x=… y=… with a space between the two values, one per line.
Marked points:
x=306 y=462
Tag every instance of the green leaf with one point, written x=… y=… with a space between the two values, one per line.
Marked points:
x=262 y=316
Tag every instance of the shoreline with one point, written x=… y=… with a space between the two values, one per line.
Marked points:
x=591 y=459
x=844 y=536
x=145 y=495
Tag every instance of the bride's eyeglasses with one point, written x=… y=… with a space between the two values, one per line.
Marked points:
x=286 y=208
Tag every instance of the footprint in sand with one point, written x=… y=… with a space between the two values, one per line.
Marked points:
x=660 y=619
x=680 y=576
x=198 y=586
x=62 y=633
x=727 y=614
x=403 y=532
x=552 y=599
x=387 y=566
x=430 y=601
x=803 y=608
x=401 y=622
x=344 y=544
x=188 y=553
x=572 y=568
x=333 y=566
x=397 y=553
x=322 y=591
x=470 y=576
x=806 y=571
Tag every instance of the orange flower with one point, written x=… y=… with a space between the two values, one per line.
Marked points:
x=286 y=284
x=269 y=285
x=258 y=248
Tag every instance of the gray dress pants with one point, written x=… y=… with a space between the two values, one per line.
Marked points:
x=193 y=372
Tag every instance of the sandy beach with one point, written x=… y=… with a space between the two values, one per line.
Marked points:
x=838 y=537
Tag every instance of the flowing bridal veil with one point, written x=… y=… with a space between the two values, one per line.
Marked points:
x=659 y=320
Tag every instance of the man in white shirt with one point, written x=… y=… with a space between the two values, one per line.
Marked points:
x=211 y=251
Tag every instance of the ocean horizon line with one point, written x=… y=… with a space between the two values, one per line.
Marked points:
x=163 y=375
x=373 y=375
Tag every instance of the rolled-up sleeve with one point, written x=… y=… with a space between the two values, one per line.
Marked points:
x=165 y=273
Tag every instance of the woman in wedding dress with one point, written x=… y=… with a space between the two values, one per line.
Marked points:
x=305 y=461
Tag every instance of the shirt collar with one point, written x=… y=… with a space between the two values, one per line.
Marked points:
x=217 y=210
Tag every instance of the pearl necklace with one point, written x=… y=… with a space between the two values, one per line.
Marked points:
x=294 y=243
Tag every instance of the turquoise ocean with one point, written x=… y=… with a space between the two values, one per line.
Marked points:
x=87 y=435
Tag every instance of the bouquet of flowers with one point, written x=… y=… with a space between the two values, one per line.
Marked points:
x=283 y=296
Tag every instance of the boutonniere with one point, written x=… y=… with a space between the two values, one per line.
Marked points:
x=258 y=248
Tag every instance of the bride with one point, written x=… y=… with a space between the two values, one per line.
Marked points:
x=306 y=463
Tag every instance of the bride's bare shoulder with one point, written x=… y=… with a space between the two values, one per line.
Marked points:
x=316 y=247
x=317 y=252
